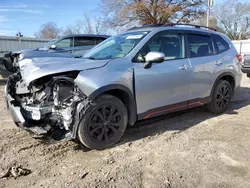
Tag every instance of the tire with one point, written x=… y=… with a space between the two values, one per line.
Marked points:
x=104 y=123
x=221 y=97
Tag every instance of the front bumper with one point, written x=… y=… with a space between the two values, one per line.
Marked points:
x=20 y=121
x=17 y=112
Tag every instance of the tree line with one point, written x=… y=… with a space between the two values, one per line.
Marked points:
x=231 y=17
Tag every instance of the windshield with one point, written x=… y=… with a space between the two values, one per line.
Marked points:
x=116 y=46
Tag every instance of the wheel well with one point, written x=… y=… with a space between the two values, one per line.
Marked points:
x=127 y=101
x=225 y=76
x=230 y=79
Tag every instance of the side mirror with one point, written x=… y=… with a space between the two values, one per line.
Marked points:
x=153 y=57
x=53 y=46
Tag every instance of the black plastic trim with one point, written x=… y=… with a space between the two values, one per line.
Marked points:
x=174 y=108
x=219 y=77
x=186 y=45
x=132 y=102
x=171 y=25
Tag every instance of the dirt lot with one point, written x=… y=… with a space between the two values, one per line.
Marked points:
x=192 y=149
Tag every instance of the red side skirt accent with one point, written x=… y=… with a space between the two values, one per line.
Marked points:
x=175 y=108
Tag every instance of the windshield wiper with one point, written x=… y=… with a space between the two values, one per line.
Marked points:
x=80 y=56
x=93 y=58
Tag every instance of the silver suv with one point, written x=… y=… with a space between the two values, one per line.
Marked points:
x=142 y=73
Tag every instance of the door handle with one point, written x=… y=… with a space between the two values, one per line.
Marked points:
x=183 y=67
x=218 y=63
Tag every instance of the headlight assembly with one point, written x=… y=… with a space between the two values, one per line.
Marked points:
x=20 y=57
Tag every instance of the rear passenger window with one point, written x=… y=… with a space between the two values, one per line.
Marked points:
x=200 y=45
x=84 y=41
x=221 y=44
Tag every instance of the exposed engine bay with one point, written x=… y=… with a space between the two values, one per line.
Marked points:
x=49 y=103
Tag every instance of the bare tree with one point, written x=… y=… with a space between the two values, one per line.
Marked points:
x=78 y=27
x=234 y=18
x=84 y=25
x=48 y=31
x=88 y=24
x=98 y=26
x=68 y=31
x=119 y=13
x=213 y=22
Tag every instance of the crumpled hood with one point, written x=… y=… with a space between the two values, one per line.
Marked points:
x=25 y=50
x=40 y=52
x=40 y=67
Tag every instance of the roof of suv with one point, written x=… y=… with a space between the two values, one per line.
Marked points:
x=189 y=27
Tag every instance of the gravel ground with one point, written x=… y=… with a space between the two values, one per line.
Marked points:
x=189 y=149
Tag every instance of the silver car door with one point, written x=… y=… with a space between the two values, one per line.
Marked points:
x=166 y=83
x=204 y=63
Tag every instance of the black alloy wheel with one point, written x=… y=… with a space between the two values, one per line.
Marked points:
x=104 y=123
x=221 y=97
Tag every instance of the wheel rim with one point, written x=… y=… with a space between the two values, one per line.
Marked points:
x=223 y=97
x=104 y=123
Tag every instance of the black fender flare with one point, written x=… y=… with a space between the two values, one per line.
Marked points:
x=132 y=102
x=219 y=77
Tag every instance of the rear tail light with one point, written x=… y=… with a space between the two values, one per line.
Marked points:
x=240 y=57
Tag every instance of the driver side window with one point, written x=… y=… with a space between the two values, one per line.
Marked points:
x=171 y=45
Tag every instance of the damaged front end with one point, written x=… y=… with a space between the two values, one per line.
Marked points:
x=10 y=61
x=47 y=104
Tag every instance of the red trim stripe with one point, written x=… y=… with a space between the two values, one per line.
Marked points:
x=174 y=108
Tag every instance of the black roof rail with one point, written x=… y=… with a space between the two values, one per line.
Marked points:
x=145 y=25
x=171 y=25
x=191 y=25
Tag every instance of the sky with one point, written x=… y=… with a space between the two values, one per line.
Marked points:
x=27 y=16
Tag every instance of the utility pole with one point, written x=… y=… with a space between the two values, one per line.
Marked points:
x=18 y=37
x=209 y=6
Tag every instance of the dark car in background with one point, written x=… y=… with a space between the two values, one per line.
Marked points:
x=67 y=46
x=245 y=64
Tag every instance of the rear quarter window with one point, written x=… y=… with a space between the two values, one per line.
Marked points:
x=220 y=44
